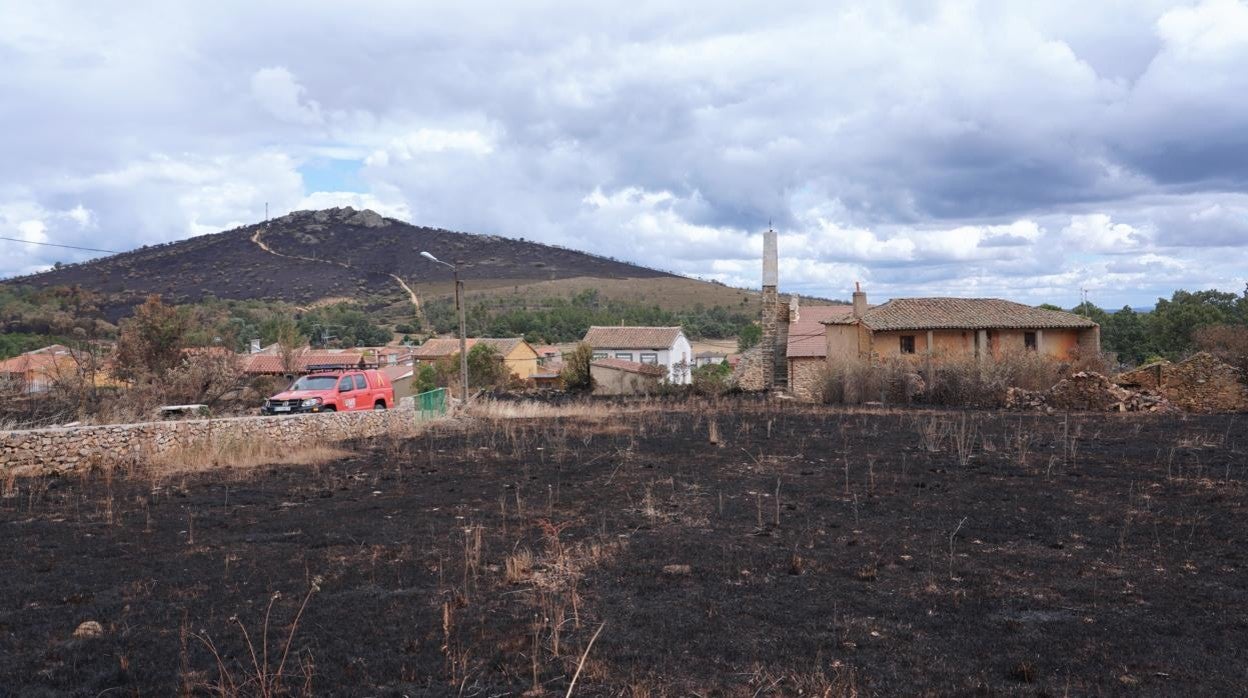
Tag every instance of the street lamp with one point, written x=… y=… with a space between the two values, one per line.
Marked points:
x=463 y=336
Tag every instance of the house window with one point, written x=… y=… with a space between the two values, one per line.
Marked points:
x=600 y=355
x=1029 y=340
x=907 y=344
x=625 y=355
x=649 y=358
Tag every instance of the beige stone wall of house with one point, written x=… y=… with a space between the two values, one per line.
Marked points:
x=75 y=449
x=961 y=343
x=806 y=377
x=843 y=342
x=522 y=361
x=613 y=381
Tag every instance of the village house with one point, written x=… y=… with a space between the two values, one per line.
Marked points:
x=941 y=328
x=621 y=377
x=799 y=343
x=655 y=346
x=36 y=371
x=301 y=361
x=518 y=355
x=806 y=349
x=547 y=354
x=708 y=358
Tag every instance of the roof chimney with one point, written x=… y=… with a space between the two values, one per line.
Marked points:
x=794 y=309
x=771 y=274
x=860 y=300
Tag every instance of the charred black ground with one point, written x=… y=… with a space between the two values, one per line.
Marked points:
x=905 y=553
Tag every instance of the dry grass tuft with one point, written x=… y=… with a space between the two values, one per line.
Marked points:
x=233 y=451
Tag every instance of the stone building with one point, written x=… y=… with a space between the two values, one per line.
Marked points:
x=806 y=350
x=986 y=328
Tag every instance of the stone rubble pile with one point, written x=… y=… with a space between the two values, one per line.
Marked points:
x=1200 y=383
x=1089 y=391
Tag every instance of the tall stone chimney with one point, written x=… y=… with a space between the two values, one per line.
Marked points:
x=860 y=300
x=771 y=306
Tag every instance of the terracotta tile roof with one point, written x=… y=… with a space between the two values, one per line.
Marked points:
x=630 y=366
x=807 y=336
x=437 y=348
x=503 y=346
x=395 y=373
x=271 y=363
x=440 y=347
x=632 y=337
x=49 y=358
x=966 y=314
x=547 y=350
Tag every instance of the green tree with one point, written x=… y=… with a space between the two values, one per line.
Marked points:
x=1173 y=322
x=1125 y=334
x=750 y=336
x=576 y=374
x=151 y=342
x=426 y=378
x=485 y=367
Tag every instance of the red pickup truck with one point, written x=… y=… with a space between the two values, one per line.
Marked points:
x=334 y=392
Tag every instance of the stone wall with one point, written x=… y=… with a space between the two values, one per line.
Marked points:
x=768 y=344
x=71 y=449
x=807 y=378
x=752 y=369
x=1201 y=383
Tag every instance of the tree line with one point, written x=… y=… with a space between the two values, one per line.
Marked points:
x=1188 y=321
x=557 y=320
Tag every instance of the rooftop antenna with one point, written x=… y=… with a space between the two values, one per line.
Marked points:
x=266 y=212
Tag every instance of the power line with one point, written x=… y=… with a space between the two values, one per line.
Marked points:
x=53 y=244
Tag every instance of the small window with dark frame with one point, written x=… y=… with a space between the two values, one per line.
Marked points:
x=1029 y=341
x=907 y=344
x=649 y=358
x=600 y=355
x=625 y=355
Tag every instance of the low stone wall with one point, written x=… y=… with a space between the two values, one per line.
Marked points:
x=70 y=449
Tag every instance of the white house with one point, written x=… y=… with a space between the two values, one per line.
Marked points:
x=665 y=346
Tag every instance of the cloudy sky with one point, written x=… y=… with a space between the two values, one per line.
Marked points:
x=1013 y=149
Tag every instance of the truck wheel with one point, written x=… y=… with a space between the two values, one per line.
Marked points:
x=381 y=405
x=329 y=408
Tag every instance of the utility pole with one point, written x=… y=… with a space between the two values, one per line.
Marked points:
x=463 y=322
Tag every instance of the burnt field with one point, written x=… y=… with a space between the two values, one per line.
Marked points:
x=735 y=548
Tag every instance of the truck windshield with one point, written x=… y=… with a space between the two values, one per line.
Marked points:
x=315 y=383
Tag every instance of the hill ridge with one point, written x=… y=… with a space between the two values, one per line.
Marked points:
x=306 y=256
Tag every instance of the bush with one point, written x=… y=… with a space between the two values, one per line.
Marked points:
x=712 y=379
x=426 y=378
x=576 y=375
x=485 y=367
x=956 y=382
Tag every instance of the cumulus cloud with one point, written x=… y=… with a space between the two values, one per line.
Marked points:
x=1000 y=148
x=277 y=91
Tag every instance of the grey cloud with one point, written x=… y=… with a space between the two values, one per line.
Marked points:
x=901 y=119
